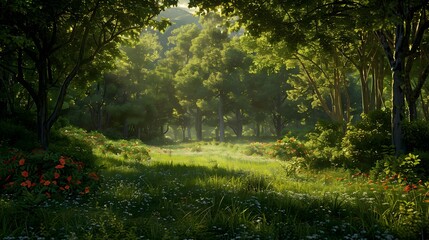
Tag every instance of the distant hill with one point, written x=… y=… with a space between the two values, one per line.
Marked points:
x=178 y=17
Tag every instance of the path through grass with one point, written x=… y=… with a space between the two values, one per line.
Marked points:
x=211 y=191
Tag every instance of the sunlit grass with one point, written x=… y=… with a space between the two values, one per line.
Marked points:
x=214 y=191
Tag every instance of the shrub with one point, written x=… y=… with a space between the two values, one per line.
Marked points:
x=13 y=135
x=75 y=143
x=366 y=142
x=128 y=149
x=324 y=144
x=406 y=168
x=38 y=175
x=287 y=148
x=256 y=148
x=416 y=135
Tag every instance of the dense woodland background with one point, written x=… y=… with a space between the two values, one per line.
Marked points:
x=353 y=73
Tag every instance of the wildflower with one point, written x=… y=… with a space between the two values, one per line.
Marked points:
x=47 y=183
x=94 y=176
x=21 y=162
x=59 y=166
x=409 y=187
x=69 y=178
x=86 y=189
x=24 y=174
x=62 y=160
x=67 y=187
x=56 y=175
x=27 y=184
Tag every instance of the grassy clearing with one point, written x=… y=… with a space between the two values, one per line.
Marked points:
x=214 y=191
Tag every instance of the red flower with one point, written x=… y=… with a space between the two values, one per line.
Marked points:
x=410 y=187
x=67 y=187
x=86 y=190
x=47 y=183
x=56 y=175
x=24 y=174
x=62 y=160
x=59 y=166
x=27 y=183
x=21 y=162
x=69 y=178
x=94 y=176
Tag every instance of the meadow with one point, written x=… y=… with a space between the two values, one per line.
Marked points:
x=211 y=190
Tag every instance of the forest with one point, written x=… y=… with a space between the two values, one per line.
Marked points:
x=214 y=119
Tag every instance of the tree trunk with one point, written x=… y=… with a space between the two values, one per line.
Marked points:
x=239 y=126
x=258 y=129
x=278 y=124
x=189 y=132
x=199 y=124
x=221 y=120
x=397 y=62
x=398 y=112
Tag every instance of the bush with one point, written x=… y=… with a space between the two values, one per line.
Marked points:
x=324 y=144
x=128 y=149
x=287 y=148
x=416 y=135
x=16 y=135
x=368 y=141
x=256 y=148
x=76 y=143
x=33 y=177
x=406 y=168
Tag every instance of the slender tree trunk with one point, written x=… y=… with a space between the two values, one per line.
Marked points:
x=258 y=129
x=239 y=120
x=221 y=120
x=189 y=132
x=397 y=61
x=199 y=124
x=364 y=90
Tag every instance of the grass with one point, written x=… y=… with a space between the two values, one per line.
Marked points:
x=213 y=191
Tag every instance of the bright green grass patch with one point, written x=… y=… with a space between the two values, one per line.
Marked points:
x=209 y=191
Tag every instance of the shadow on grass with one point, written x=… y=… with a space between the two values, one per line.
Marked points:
x=186 y=201
x=155 y=200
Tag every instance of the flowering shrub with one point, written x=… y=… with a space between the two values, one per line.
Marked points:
x=44 y=175
x=256 y=148
x=287 y=148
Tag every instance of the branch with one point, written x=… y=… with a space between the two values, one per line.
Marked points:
x=388 y=51
x=422 y=79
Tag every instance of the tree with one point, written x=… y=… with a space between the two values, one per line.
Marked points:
x=300 y=22
x=176 y=59
x=56 y=39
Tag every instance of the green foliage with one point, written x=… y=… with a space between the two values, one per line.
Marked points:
x=366 y=142
x=405 y=168
x=287 y=148
x=127 y=149
x=416 y=135
x=324 y=144
x=256 y=148
x=34 y=177
x=13 y=134
x=76 y=143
